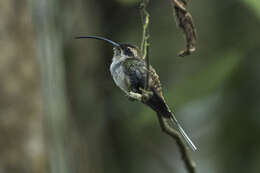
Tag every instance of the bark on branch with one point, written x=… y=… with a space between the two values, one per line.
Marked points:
x=166 y=128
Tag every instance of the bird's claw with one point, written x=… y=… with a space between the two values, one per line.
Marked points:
x=143 y=97
x=146 y=95
x=132 y=96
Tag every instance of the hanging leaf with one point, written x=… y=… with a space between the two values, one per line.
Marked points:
x=185 y=23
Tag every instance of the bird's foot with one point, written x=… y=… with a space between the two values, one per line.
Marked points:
x=132 y=96
x=146 y=95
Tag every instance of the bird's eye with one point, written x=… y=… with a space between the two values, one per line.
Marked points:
x=129 y=51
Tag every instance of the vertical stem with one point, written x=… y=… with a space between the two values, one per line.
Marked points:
x=145 y=38
x=147 y=86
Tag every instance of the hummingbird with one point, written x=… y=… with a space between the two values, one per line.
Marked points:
x=130 y=74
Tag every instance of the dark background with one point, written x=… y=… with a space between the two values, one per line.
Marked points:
x=61 y=112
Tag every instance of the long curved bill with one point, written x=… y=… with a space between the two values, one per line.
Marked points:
x=99 y=38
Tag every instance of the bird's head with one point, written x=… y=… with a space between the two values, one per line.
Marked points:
x=126 y=50
x=120 y=50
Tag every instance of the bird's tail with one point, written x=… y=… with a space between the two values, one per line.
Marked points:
x=183 y=133
x=158 y=104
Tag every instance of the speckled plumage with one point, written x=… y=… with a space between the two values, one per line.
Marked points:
x=130 y=73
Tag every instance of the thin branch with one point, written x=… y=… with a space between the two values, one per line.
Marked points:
x=189 y=163
x=145 y=20
x=185 y=23
x=145 y=38
x=147 y=86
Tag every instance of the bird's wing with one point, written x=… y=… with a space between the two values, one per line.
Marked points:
x=135 y=70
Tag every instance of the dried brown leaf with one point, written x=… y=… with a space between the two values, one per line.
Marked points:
x=185 y=23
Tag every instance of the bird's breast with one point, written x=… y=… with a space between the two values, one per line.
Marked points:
x=119 y=76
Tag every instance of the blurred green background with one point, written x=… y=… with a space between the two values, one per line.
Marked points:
x=61 y=112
